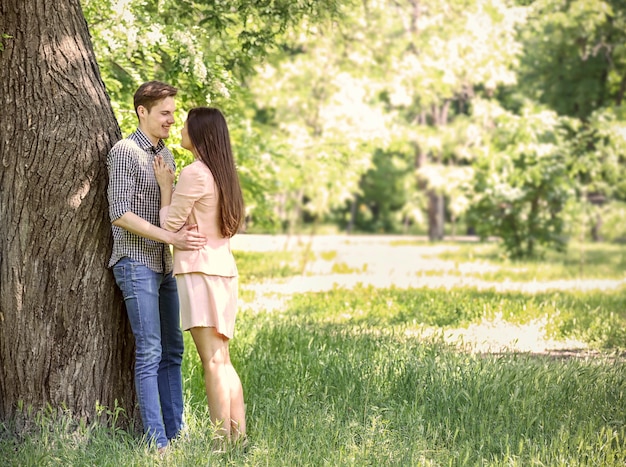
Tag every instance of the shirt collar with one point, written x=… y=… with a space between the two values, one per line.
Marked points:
x=144 y=142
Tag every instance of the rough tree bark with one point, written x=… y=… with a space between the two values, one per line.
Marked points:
x=64 y=337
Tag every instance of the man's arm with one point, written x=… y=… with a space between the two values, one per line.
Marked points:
x=187 y=238
x=122 y=168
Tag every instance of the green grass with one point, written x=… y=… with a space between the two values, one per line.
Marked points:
x=256 y=266
x=354 y=398
x=335 y=379
x=343 y=268
x=596 y=317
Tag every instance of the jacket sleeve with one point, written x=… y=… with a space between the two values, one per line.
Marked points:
x=192 y=185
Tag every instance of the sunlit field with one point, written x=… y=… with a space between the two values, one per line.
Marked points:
x=393 y=351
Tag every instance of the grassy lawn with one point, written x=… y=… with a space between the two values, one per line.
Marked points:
x=342 y=377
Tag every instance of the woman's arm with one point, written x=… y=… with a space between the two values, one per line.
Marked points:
x=187 y=238
x=165 y=178
x=176 y=207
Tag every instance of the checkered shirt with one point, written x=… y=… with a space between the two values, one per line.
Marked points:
x=133 y=187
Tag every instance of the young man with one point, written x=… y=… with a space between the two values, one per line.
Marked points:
x=142 y=262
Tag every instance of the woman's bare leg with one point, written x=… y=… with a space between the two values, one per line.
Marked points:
x=237 y=407
x=223 y=386
x=213 y=350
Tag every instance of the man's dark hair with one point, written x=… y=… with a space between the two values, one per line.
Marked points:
x=152 y=92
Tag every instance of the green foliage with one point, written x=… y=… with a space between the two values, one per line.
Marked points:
x=523 y=184
x=599 y=154
x=317 y=92
x=207 y=50
x=613 y=227
x=445 y=51
x=204 y=48
x=575 y=58
x=386 y=188
x=575 y=62
x=436 y=58
x=323 y=117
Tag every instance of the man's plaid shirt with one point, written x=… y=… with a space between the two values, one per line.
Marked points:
x=133 y=187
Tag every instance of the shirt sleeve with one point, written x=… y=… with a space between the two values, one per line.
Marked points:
x=122 y=169
x=192 y=185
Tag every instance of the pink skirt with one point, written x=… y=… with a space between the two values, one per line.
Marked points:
x=207 y=301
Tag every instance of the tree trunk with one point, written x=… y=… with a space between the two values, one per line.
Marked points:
x=353 y=207
x=436 y=202
x=64 y=336
x=596 y=229
x=436 y=211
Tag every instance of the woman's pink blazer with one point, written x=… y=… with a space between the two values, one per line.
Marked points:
x=195 y=201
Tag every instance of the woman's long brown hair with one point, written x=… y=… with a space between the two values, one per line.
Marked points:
x=208 y=132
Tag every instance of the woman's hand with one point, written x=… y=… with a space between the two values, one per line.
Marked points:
x=163 y=172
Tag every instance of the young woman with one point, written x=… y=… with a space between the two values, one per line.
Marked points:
x=208 y=194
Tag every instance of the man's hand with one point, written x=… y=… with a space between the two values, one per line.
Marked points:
x=188 y=238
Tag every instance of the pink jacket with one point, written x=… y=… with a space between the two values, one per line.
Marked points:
x=195 y=201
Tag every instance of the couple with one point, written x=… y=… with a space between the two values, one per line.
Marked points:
x=198 y=219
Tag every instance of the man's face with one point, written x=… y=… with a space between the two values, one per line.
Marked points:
x=156 y=123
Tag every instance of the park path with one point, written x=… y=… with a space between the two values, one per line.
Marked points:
x=401 y=261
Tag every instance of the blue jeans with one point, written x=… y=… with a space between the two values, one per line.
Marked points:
x=151 y=300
